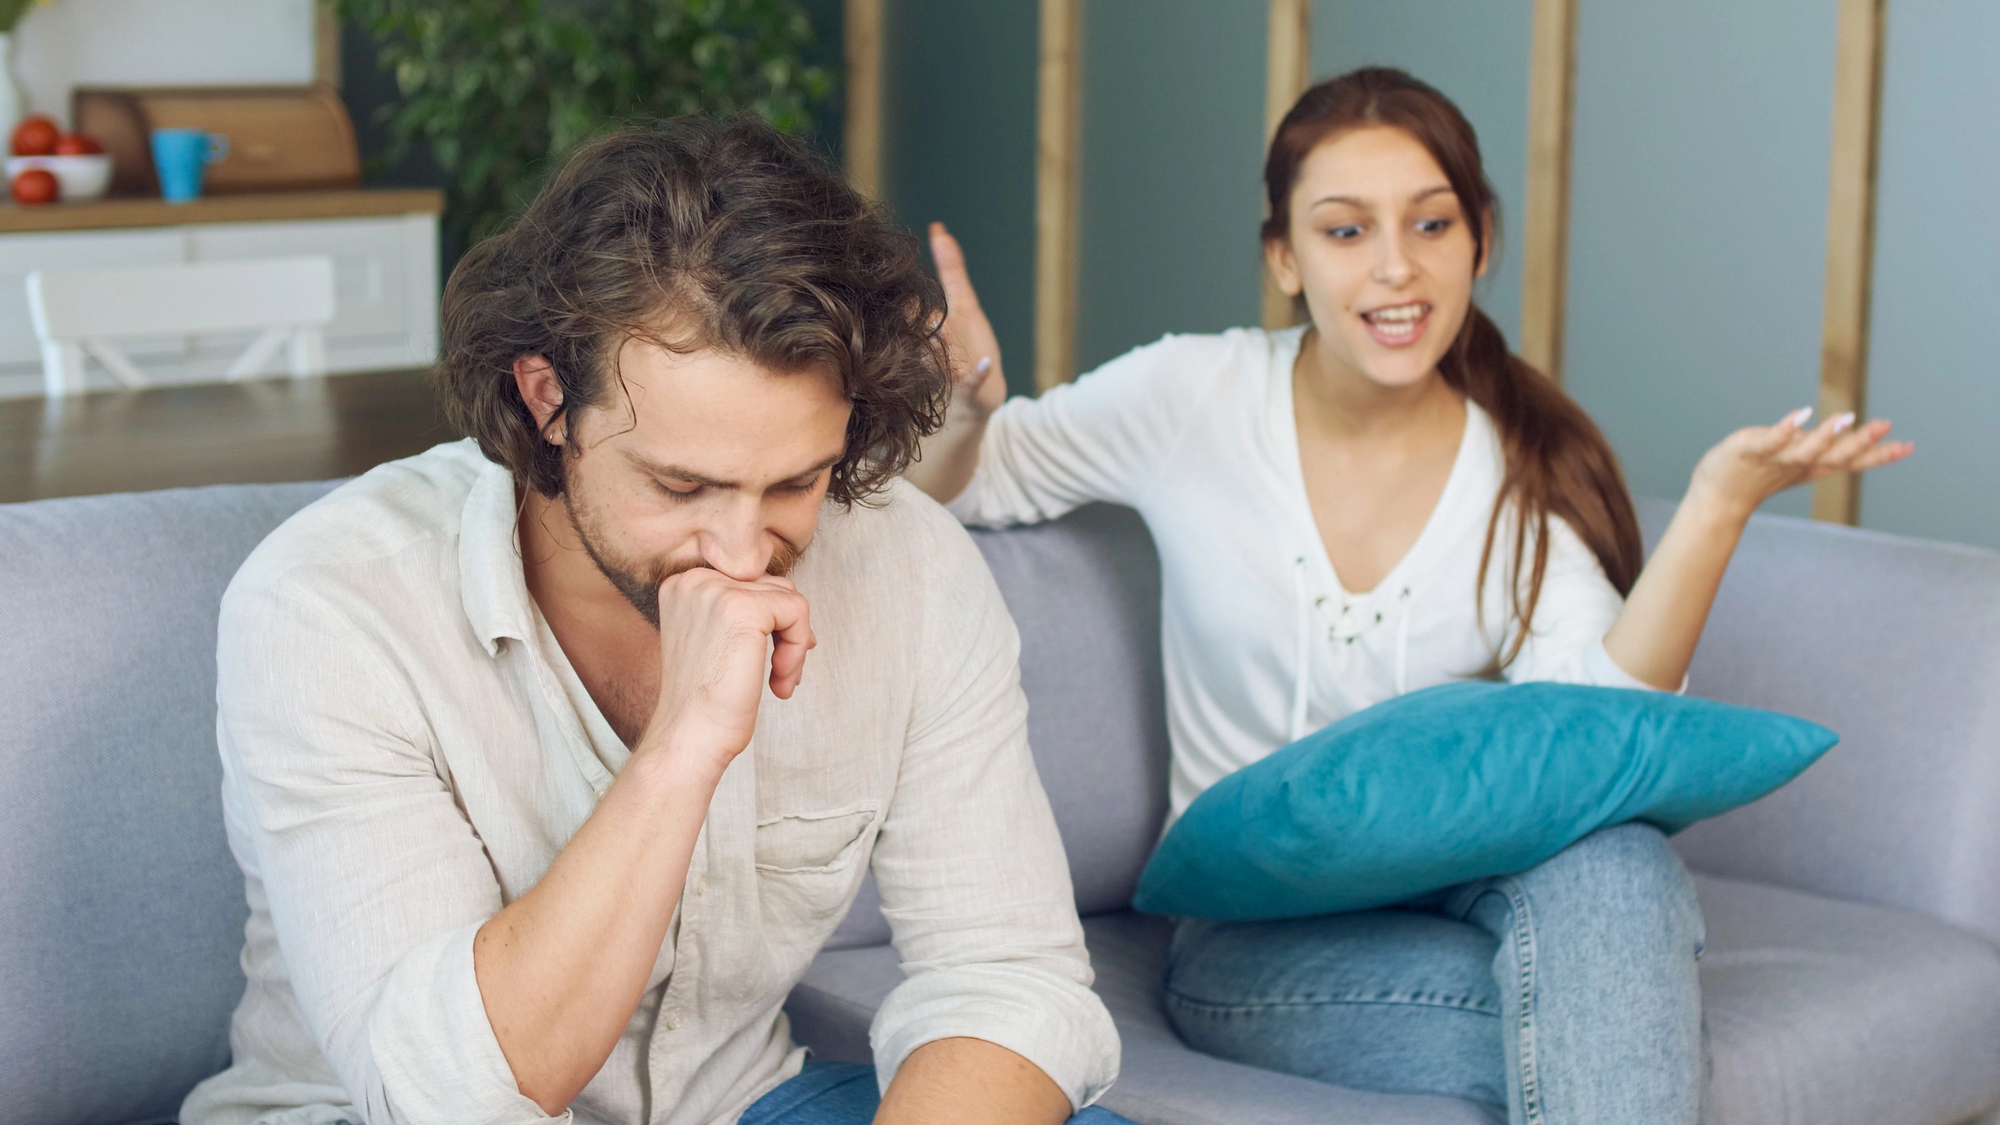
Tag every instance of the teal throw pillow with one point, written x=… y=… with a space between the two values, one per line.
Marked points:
x=1459 y=782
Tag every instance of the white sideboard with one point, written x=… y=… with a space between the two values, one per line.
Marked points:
x=385 y=273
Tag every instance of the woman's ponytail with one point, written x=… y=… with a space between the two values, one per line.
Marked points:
x=1557 y=464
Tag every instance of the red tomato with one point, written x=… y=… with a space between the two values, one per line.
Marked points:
x=36 y=136
x=77 y=144
x=36 y=185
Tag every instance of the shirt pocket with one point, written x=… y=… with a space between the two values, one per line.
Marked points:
x=813 y=843
x=808 y=867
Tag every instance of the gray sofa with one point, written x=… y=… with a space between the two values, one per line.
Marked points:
x=1851 y=973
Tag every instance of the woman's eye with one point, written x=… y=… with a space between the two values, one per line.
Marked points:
x=1344 y=234
x=1434 y=226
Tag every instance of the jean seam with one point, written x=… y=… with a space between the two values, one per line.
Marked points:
x=1320 y=1001
x=1522 y=935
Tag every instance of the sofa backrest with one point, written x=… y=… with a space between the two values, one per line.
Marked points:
x=1895 y=644
x=121 y=911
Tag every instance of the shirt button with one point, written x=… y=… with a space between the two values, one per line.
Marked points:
x=701 y=888
x=673 y=1021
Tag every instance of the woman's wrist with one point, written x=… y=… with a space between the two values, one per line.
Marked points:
x=1714 y=507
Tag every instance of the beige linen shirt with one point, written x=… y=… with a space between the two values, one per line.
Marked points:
x=406 y=749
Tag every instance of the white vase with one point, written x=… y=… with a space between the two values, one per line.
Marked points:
x=13 y=100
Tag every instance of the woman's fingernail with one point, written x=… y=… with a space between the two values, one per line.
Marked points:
x=984 y=365
x=1841 y=423
x=1800 y=415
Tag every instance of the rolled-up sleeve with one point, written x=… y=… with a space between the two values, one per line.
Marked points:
x=376 y=882
x=972 y=873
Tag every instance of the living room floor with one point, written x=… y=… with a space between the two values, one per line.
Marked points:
x=214 y=433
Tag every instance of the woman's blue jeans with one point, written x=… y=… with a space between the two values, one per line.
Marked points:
x=837 y=1093
x=1567 y=993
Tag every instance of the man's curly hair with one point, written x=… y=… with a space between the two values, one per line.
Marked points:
x=696 y=233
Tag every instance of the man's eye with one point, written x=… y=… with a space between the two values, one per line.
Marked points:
x=688 y=492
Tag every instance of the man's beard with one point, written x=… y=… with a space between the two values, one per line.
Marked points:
x=640 y=583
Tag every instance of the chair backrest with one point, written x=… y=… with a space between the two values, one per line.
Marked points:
x=1895 y=644
x=181 y=299
x=121 y=911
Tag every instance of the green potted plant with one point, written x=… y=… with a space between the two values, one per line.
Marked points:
x=495 y=88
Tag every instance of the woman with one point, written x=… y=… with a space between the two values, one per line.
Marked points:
x=1383 y=500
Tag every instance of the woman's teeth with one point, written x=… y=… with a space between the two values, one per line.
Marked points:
x=1396 y=325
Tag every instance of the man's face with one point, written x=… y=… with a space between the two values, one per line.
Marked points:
x=702 y=459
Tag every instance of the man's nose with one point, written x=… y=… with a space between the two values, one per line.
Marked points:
x=736 y=545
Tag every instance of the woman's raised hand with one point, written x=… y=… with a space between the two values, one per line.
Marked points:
x=978 y=385
x=1757 y=462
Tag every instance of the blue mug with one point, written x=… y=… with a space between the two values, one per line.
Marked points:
x=180 y=156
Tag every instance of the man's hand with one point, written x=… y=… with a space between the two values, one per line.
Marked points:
x=561 y=968
x=716 y=638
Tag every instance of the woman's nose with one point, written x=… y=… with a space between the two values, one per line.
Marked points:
x=1392 y=264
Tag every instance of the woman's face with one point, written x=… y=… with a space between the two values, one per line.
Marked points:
x=1380 y=248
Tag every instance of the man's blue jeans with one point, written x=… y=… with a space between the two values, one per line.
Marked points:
x=834 y=1093
x=1567 y=993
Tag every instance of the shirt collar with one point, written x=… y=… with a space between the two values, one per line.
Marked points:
x=491 y=580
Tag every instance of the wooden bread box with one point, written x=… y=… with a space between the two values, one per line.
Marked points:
x=281 y=138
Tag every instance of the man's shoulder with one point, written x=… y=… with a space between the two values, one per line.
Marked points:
x=411 y=505
x=901 y=545
x=900 y=520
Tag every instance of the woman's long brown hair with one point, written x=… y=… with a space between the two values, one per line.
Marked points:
x=1557 y=462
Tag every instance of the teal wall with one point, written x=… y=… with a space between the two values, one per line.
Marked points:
x=1173 y=118
x=1697 y=224
x=1477 y=54
x=959 y=147
x=1932 y=366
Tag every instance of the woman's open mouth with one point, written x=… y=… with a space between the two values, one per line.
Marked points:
x=1397 y=325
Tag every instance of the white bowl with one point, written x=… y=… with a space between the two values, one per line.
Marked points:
x=80 y=177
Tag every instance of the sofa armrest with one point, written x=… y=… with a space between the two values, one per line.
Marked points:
x=1895 y=644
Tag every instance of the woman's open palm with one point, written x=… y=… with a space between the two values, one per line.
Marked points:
x=1758 y=462
x=976 y=380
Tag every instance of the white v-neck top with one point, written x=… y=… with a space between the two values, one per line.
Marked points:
x=1261 y=642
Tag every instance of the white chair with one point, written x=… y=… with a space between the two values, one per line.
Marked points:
x=82 y=312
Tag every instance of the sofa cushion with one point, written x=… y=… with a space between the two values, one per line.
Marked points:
x=122 y=909
x=1823 y=1012
x=1820 y=1013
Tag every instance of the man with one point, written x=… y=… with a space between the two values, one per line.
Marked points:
x=524 y=835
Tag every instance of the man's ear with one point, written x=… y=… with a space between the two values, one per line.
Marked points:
x=1284 y=267
x=535 y=377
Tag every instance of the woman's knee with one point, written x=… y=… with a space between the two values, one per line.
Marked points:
x=1627 y=870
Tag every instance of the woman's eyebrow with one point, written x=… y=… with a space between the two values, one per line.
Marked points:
x=1352 y=201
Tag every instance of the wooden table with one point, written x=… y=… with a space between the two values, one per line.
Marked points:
x=232 y=433
x=111 y=214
